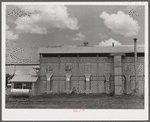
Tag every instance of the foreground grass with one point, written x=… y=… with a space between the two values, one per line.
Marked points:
x=78 y=101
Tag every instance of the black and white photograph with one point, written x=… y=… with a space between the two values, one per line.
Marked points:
x=75 y=60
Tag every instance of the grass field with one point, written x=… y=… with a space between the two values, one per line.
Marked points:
x=78 y=101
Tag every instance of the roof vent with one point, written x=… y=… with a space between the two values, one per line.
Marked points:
x=85 y=43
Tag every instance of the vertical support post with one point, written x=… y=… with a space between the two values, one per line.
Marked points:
x=107 y=75
x=127 y=75
x=40 y=64
x=78 y=72
x=97 y=72
x=39 y=75
x=48 y=75
x=87 y=76
x=135 y=63
x=39 y=85
x=68 y=77
x=87 y=91
x=58 y=72
x=14 y=68
x=33 y=87
x=118 y=75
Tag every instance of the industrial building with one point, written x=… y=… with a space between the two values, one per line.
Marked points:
x=85 y=69
x=90 y=69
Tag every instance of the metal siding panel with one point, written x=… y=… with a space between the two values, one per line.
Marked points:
x=141 y=87
x=55 y=70
x=55 y=87
x=62 y=68
x=43 y=87
x=81 y=87
x=141 y=59
x=43 y=68
x=140 y=69
x=93 y=69
x=132 y=85
x=94 y=86
x=74 y=69
x=62 y=86
x=101 y=69
x=81 y=69
x=101 y=87
x=74 y=85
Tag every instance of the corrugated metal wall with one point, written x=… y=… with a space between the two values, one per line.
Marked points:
x=96 y=66
x=128 y=66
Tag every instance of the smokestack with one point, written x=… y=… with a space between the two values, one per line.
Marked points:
x=135 y=62
x=85 y=43
x=113 y=44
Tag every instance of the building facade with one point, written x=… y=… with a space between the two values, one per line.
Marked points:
x=87 y=69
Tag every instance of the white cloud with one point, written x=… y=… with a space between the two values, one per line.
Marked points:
x=10 y=35
x=109 y=42
x=79 y=37
x=121 y=23
x=45 y=17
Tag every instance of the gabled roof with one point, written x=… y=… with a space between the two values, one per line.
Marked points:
x=21 y=70
x=24 y=78
x=90 y=49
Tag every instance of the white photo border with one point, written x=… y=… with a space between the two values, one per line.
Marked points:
x=68 y=114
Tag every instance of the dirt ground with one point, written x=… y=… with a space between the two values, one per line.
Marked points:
x=77 y=101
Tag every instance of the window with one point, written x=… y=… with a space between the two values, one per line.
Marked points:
x=22 y=85
x=18 y=85
x=27 y=85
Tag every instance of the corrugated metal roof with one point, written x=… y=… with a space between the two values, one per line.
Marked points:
x=24 y=78
x=90 y=49
x=21 y=69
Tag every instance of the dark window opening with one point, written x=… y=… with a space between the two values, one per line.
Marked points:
x=18 y=85
x=76 y=55
x=27 y=85
x=22 y=85
x=132 y=54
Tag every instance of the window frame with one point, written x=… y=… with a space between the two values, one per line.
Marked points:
x=21 y=86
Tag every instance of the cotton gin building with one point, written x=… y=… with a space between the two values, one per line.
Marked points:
x=90 y=69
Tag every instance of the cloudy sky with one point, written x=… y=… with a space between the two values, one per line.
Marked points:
x=29 y=27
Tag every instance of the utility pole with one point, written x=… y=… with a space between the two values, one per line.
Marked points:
x=135 y=63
